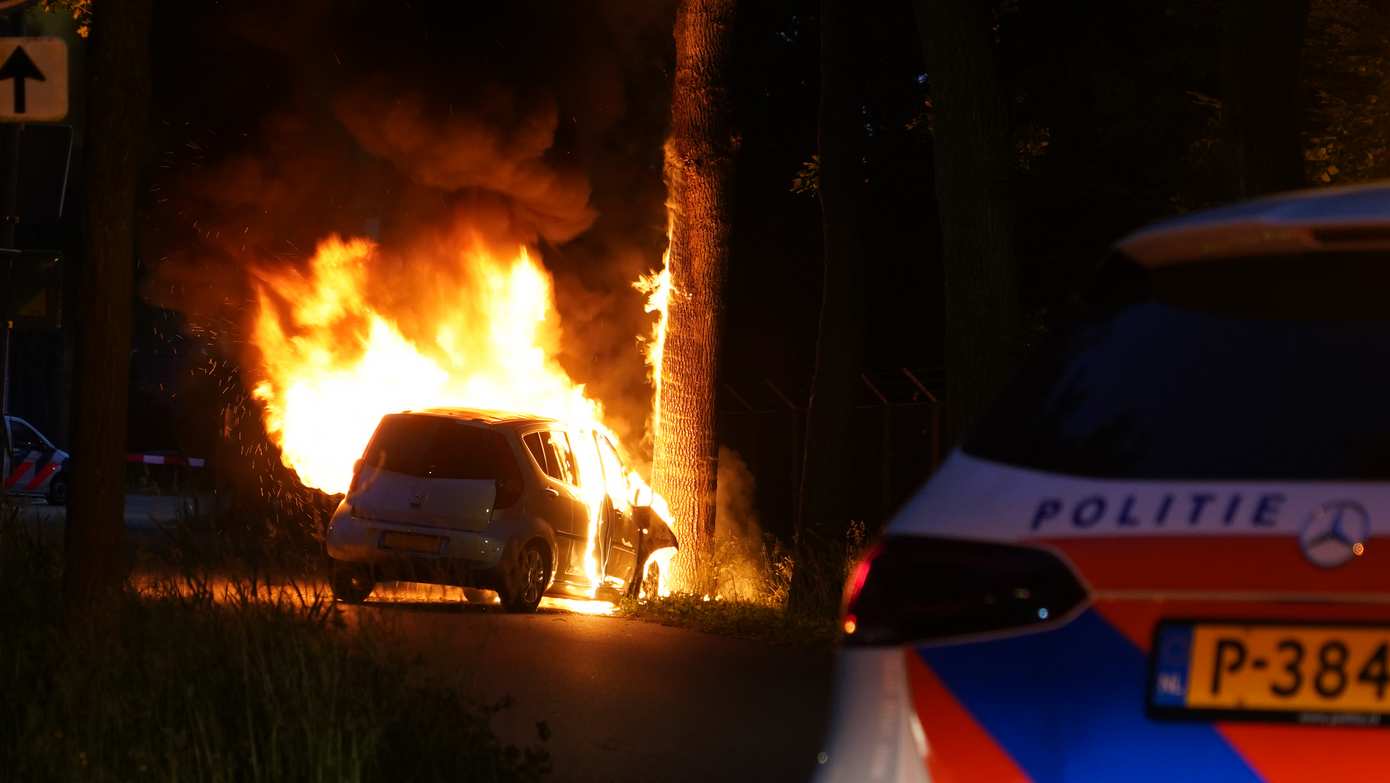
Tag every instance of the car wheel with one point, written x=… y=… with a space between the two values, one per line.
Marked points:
x=352 y=583
x=58 y=491
x=528 y=582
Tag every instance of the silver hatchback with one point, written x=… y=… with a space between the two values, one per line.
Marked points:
x=498 y=501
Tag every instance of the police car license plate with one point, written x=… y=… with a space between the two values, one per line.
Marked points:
x=1306 y=673
x=411 y=542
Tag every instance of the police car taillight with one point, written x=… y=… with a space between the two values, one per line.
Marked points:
x=911 y=588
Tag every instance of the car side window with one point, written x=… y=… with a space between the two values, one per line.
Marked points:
x=555 y=450
x=533 y=445
x=567 y=454
x=614 y=471
x=24 y=438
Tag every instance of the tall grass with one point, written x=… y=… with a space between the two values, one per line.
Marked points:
x=751 y=584
x=180 y=682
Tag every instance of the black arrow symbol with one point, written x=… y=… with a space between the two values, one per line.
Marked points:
x=19 y=67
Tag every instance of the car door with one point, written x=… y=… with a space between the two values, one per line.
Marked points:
x=559 y=502
x=431 y=471
x=620 y=541
x=29 y=454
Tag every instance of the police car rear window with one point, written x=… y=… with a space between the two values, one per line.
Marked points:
x=437 y=447
x=1179 y=376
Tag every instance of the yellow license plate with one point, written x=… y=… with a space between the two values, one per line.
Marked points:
x=411 y=542
x=1301 y=672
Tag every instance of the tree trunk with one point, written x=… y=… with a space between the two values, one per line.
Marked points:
x=973 y=163
x=827 y=492
x=118 y=104
x=699 y=174
x=1261 y=59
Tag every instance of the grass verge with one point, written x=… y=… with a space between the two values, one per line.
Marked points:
x=174 y=684
x=743 y=619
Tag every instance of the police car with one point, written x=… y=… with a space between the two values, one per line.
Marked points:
x=1159 y=557
x=31 y=464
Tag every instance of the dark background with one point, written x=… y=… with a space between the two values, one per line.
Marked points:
x=1115 y=111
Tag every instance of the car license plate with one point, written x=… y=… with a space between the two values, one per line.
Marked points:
x=1308 y=673
x=411 y=542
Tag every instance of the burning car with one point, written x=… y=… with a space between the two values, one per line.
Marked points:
x=516 y=503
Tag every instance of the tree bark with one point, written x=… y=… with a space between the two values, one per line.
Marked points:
x=973 y=164
x=1261 y=60
x=827 y=498
x=118 y=105
x=699 y=173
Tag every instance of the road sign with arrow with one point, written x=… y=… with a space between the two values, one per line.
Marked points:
x=33 y=79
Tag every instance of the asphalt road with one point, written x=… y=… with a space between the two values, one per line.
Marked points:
x=624 y=700
x=627 y=700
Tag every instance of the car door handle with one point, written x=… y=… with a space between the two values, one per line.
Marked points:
x=551 y=491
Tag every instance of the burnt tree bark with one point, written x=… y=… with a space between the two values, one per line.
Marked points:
x=973 y=162
x=1261 y=62
x=118 y=93
x=826 y=499
x=699 y=173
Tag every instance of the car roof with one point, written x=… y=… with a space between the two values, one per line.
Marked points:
x=1352 y=218
x=487 y=417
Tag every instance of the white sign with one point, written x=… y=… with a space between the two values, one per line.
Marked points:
x=33 y=79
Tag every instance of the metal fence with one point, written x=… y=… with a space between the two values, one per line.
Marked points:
x=896 y=436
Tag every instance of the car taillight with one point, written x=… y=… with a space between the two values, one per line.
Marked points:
x=911 y=588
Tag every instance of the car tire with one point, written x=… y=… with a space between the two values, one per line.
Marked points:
x=351 y=582
x=527 y=583
x=58 y=491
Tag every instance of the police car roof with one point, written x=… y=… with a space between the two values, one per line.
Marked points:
x=485 y=416
x=1329 y=219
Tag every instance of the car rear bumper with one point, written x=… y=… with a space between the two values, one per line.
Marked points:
x=1070 y=704
x=875 y=736
x=467 y=558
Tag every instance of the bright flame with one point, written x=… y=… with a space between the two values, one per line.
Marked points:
x=657 y=287
x=339 y=365
x=333 y=365
x=662 y=558
x=577 y=605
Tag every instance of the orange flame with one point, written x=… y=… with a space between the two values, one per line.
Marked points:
x=332 y=364
x=657 y=288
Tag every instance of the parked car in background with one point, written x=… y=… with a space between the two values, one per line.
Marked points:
x=492 y=500
x=32 y=465
x=1163 y=554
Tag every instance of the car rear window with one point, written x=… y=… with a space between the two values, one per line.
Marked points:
x=438 y=447
x=1275 y=368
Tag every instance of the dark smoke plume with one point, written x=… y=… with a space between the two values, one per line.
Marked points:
x=416 y=123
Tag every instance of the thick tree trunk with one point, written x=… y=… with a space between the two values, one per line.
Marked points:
x=699 y=173
x=118 y=104
x=973 y=161
x=1261 y=59
x=827 y=494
